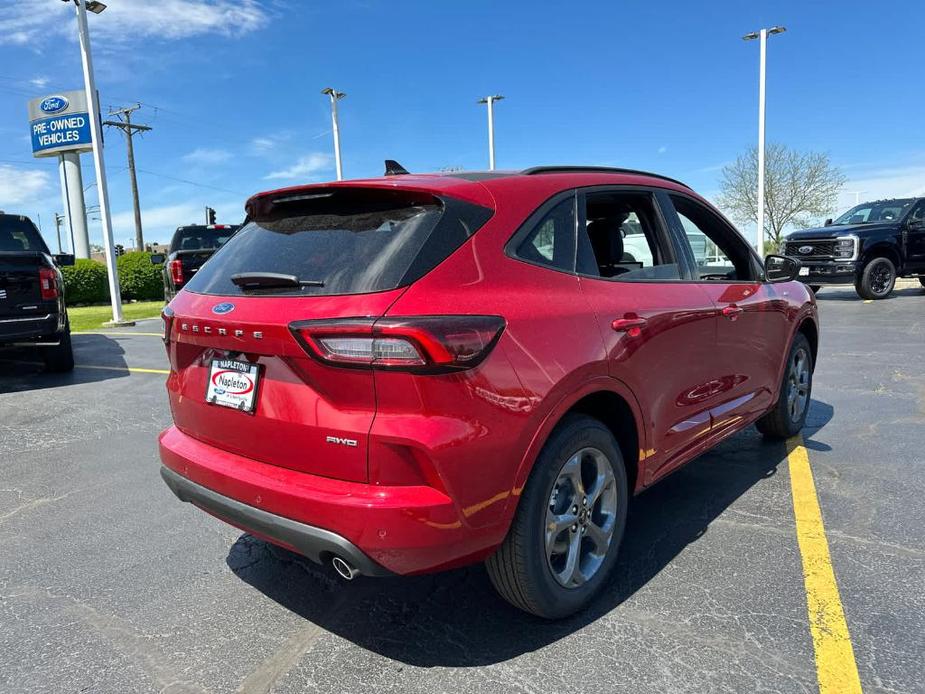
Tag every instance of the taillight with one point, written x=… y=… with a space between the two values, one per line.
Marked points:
x=175 y=268
x=167 y=317
x=48 y=282
x=423 y=344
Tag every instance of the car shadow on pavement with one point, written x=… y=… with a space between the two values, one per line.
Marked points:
x=98 y=358
x=455 y=619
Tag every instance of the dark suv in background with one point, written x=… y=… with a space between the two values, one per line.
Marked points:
x=32 y=312
x=869 y=246
x=190 y=247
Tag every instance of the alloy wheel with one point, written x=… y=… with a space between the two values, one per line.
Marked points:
x=880 y=278
x=581 y=517
x=798 y=385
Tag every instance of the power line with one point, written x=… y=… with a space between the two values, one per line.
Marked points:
x=192 y=183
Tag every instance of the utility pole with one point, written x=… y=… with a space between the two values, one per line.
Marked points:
x=125 y=125
x=59 y=219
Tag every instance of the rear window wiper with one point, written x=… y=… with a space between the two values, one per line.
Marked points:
x=271 y=280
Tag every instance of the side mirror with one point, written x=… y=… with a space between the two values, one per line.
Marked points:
x=779 y=268
x=63 y=259
x=916 y=225
x=828 y=222
x=158 y=258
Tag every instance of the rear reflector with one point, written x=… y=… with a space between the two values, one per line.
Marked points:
x=48 y=281
x=423 y=344
x=175 y=268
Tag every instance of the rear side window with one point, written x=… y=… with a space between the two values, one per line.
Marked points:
x=552 y=241
x=200 y=238
x=18 y=234
x=344 y=241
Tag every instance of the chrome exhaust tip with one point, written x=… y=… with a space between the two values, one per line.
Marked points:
x=346 y=570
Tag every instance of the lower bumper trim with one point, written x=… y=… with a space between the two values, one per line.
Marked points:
x=317 y=544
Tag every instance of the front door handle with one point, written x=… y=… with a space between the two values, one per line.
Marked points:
x=632 y=326
x=732 y=311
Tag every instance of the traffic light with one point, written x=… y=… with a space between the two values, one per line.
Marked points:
x=120 y=249
x=210 y=215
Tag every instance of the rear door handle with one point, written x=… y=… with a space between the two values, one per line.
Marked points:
x=732 y=311
x=630 y=326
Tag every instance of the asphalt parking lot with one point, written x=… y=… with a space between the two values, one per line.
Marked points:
x=109 y=584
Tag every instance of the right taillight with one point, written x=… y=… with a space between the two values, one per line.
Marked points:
x=167 y=317
x=175 y=268
x=423 y=344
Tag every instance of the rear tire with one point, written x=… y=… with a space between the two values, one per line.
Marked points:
x=560 y=551
x=789 y=414
x=877 y=279
x=60 y=358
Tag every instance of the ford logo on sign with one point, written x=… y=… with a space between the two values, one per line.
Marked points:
x=805 y=249
x=223 y=308
x=54 y=104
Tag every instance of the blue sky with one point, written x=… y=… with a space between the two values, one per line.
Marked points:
x=231 y=88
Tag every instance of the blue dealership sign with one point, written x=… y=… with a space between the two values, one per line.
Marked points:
x=60 y=123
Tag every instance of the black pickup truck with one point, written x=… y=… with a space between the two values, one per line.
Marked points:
x=32 y=312
x=190 y=247
x=869 y=246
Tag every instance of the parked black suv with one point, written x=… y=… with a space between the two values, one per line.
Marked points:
x=32 y=312
x=870 y=246
x=190 y=247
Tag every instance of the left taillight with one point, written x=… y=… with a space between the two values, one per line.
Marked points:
x=167 y=317
x=48 y=282
x=422 y=344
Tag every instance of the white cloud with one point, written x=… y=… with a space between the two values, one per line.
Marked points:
x=662 y=149
x=41 y=82
x=37 y=21
x=306 y=167
x=18 y=186
x=205 y=156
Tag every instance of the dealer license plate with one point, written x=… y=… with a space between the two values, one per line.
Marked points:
x=804 y=272
x=233 y=383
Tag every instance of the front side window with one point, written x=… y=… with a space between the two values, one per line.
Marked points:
x=623 y=238
x=720 y=254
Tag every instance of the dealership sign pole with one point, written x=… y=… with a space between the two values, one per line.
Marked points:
x=96 y=129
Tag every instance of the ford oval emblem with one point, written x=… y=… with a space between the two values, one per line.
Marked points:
x=223 y=308
x=54 y=104
x=805 y=249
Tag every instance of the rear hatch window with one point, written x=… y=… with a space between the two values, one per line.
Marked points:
x=201 y=237
x=18 y=234
x=338 y=241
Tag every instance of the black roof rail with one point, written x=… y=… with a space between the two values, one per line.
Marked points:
x=596 y=169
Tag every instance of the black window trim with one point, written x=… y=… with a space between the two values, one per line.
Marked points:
x=680 y=238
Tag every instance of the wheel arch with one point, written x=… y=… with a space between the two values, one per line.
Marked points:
x=809 y=328
x=882 y=249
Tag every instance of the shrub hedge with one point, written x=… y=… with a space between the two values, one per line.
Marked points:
x=85 y=282
x=138 y=278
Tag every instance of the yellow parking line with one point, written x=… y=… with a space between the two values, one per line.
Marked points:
x=101 y=332
x=836 y=668
x=868 y=301
x=130 y=369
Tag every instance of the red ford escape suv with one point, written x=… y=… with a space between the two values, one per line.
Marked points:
x=416 y=372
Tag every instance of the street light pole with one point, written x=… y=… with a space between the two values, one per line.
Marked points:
x=762 y=36
x=335 y=97
x=490 y=102
x=100 y=166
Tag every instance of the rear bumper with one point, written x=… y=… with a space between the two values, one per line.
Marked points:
x=315 y=543
x=381 y=529
x=28 y=328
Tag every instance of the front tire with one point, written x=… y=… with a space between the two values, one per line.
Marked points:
x=789 y=414
x=877 y=279
x=60 y=358
x=563 y=543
